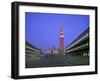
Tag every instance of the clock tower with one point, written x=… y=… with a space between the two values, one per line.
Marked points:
x=61 y=48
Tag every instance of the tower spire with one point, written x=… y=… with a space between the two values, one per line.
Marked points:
x=61 y=28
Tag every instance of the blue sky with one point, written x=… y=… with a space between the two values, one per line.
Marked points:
x=42 y=29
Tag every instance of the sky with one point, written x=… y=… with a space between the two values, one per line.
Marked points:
x=42 y=29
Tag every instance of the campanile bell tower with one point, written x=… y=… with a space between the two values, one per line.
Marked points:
x=61 y=48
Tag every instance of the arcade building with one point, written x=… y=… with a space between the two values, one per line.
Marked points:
x=80 y=45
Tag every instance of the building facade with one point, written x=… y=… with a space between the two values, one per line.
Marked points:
x=80 y=45
x=52 y=51
x=31 y=50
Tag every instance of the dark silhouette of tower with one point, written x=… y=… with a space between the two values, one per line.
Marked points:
x=61 y=49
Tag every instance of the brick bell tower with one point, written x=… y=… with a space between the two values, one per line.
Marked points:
x=61 y=48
